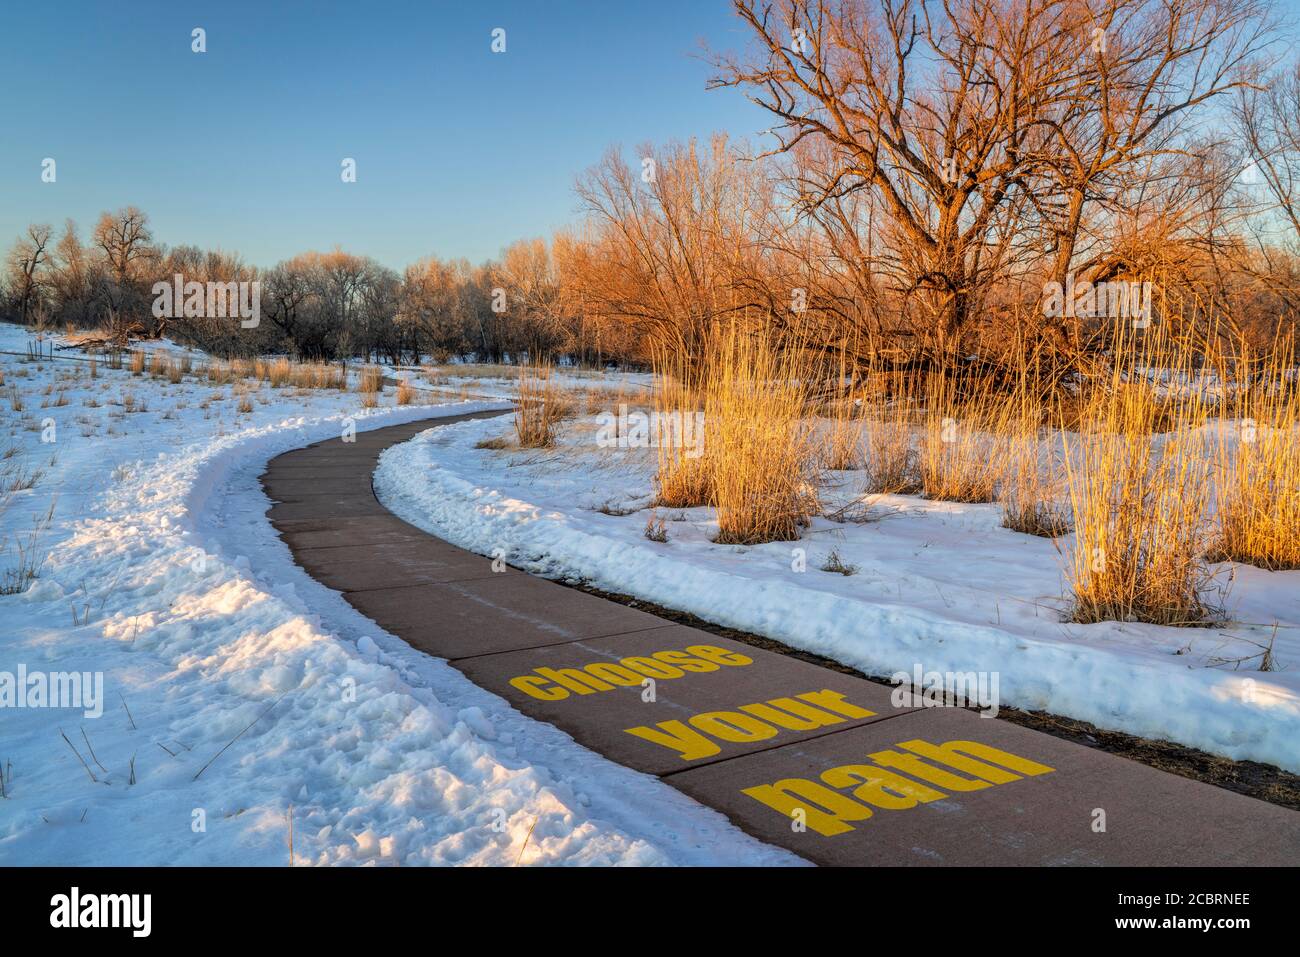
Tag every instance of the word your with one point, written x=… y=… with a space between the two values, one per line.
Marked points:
x=1093 y=300
x=103 y=910
x=751 y=723
x=936 y=689
x=218 y=300
x=55 y=689
x=639 y=430
x=556 y=684
x=830 y=812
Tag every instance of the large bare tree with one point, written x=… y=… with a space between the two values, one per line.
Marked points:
x=983 y=130
x=27 y=262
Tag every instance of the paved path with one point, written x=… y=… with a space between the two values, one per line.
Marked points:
x=797 y=755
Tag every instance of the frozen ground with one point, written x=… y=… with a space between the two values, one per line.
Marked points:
x=238 y=693
x=936 y=586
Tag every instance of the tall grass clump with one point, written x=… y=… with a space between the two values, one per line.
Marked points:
x=762 y=455
x=1031 y=486
x=1139 y=478
x=220 y=373
x=890 y=413
x=1030 y=482
x=1258 y=465
x=164 y=367
x=318 y=375
x=841 y=446
x=538 y=411
x=372 y=380
x=684 y=478
x=963 y=447
x=279 y=373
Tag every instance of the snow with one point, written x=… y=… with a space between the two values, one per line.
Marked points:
x=939 y=586
x=243 y=695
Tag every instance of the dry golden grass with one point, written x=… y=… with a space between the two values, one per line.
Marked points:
x=841 y=436
x=138 y=360
x=319 y=375
x=372 y=380
x=279 y=373
x=761 y=453
x=656 y=529
x=759 y=457
x=1031 y=492
x=841 y=439
x=1030 y=486
x=164 y=367
x=889 y=413
x=1258 y=475
x=1122 y=458
x=684 y=478
x=539 y=408
x=891 y=461
x=964 y=444
x=405 y=393
x=282 y=372
x=1138 y=500
x=220 y=373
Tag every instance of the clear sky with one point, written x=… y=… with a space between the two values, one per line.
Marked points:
x=459 y=150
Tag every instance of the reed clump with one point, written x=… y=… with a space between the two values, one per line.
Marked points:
x=684 y=478
x=538 y=411
x=890 y=411
x=964 y=444
x=1258 y=466
x=763 y=455
x=1138 y=474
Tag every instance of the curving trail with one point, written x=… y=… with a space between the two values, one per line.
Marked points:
x=823 y=764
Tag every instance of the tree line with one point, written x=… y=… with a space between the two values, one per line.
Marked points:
x=316 y=306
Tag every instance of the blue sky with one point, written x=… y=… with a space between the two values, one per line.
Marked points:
x=459 y=151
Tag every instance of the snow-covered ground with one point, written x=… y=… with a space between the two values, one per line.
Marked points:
x=239 y=695
x=936 y=586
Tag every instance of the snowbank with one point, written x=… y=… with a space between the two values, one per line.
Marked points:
x=937 y=585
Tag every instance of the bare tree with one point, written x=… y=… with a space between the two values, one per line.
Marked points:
x=126 y=243
x=433 y=307
x=1147 y=67
x=27 y=262
x=983 y=131
x=675 y=233
x=930 y=107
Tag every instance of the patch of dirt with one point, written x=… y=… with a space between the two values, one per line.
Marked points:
x=1262 y=781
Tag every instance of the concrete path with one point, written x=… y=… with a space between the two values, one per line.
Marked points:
x=803 y=757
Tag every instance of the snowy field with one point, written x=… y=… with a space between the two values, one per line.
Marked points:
x=226 y=713
x=934 y=586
